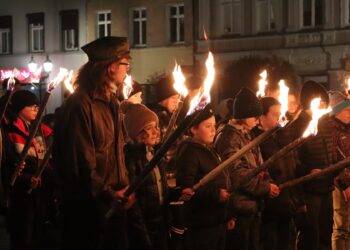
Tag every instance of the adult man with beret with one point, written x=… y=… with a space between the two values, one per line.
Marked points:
x=91 y=175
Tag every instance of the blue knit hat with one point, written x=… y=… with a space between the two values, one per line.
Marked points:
x=338 y=102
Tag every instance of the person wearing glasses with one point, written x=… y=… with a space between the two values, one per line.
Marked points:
x=26 y=212
x=91 y=172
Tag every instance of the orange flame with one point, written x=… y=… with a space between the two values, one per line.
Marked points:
x=317 y=113
x=127 y=88
x=179 y=84
x=205 y=34
x=62 y=74
x=262 y=84
x=283 y=99
x=202 y=98
x=11 y=82
x=67 y=82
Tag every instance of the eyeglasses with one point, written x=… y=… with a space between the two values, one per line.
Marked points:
x=34 y=107
x=126 y=64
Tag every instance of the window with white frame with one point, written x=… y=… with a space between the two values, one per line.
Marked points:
x=266 y=15
x=5 y=34
x=36 y=32
x=70 y=29
x=176 y=23
x=104 y=23
x=231 y=16
x=139 y=27
x=312 y=13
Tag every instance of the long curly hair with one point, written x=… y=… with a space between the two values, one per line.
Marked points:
x=93 y=77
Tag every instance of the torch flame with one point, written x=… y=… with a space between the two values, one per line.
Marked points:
x=179 y=84
x=262 y=84
x=67 y=82
x=283 y=99
x=11 y=82
x=205 y=34
x=62 y=74
x=202 y=98
x=317 y=113
x=127 y=88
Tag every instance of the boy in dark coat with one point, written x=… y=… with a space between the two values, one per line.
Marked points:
x=246 y=201
x=206 y=213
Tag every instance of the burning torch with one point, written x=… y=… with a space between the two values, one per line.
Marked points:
x=34 y=128
x=179 y=86
x=198 y=102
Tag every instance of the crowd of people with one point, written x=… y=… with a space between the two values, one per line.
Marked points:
x=101 y=142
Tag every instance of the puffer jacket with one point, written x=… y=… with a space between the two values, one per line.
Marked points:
x=246 y=199
x=318 y=153
x=193 y=161
x=149 y=214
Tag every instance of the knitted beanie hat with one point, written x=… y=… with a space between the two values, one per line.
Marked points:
x=246 y=105
x=338 y=102
x=311 y=90
x=164 y=88
x=22 y=99
x=136 y=117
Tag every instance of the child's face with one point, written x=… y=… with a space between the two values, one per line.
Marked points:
x=150 y=134
x=250 y=123
x=205 y=131
x=270 y=120
x=29 y=113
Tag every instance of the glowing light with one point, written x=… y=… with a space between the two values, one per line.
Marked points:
x=127 y=88
x=262 y=84
x=202 y=98
x=317 y=113
x=62 y=74
x=179 y=84
x=283 y=99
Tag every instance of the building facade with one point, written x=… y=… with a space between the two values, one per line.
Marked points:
x=43 y=29
x=313 y=35
x=160 y=32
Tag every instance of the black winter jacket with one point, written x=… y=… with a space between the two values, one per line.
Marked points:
x=147 y=217
x=194 y=161
x=318 y=153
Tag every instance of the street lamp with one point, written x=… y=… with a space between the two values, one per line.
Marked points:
x=32 y=65
x=47 y=64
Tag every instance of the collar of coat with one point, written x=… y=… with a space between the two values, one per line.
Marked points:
x=239 y=127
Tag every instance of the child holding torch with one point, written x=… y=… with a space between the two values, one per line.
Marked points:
x=246 y=201
x=26 y=212
x=206 y=212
